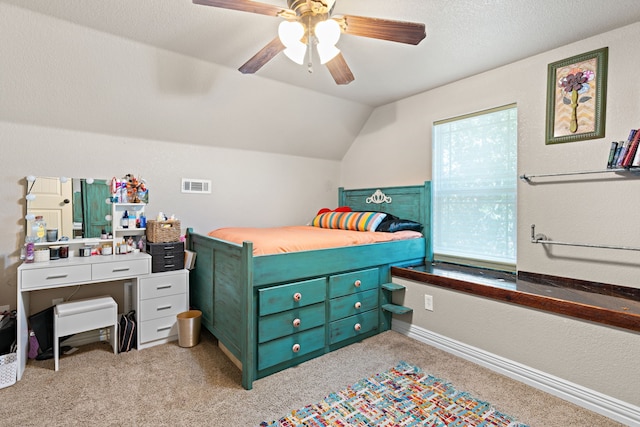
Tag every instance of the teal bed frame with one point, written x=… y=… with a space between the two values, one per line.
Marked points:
x=227 y=278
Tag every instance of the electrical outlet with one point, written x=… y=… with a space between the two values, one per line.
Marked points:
x=57 y=301
x=428 y=302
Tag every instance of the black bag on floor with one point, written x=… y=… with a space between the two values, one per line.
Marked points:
x=127 y=331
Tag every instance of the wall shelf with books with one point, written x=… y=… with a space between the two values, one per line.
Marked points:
x=633 y=171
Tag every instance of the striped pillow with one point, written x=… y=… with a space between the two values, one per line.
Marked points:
x=357 y=221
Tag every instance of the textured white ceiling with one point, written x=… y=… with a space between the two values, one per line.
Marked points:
x=464 y=37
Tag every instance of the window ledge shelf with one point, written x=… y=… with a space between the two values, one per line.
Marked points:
x=611 y=305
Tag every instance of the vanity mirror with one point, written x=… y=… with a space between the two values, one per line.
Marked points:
x=75 y=207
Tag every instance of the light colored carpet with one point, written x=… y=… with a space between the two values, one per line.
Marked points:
x=173 y=386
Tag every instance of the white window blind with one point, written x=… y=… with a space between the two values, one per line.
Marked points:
x=474 y=188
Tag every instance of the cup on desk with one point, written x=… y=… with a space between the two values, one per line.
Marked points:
x=52 y=235
x=64 y=251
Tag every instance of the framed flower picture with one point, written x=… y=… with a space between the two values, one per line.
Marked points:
x=576 y=97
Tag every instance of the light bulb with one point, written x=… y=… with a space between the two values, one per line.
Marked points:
x=108 y=217
x=328 y=33
x=63 y=179
x=89 y=180
x=31 y=178
x=29 y=217
x=296 y=52
x=290 y=32
x=327 y=52
x=30 y=197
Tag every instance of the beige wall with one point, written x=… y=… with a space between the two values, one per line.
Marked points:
x=248 y=188
x=397 y=144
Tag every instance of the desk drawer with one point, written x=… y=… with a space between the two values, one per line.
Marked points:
x=163 y=285
x=293 y=295
x=356 y=281
x=290 y=347
x=352 y=326
x=156 y=329
x=56 y=276
x=289 y=322
x=124 y=268
x=349 y=305
x=162 y=307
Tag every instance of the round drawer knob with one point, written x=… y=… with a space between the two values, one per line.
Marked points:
x=296 y=323
x=358 y=304
x=297 y=296
x=357 y=283
x=296 y=348
x=357 y=326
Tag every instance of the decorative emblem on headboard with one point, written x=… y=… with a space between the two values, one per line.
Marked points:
x=378 y=197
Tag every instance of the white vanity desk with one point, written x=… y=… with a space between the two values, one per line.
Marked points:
x=157 y=297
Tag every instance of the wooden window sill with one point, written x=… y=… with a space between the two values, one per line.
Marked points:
x=611 y=305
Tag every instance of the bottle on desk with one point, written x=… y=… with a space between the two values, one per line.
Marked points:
x=125 y=220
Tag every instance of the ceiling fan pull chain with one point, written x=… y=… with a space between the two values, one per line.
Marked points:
x=310 y=63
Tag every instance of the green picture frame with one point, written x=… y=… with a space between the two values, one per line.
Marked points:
x=577 y=97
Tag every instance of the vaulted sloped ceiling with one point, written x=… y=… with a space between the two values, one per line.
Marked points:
x=167 y=70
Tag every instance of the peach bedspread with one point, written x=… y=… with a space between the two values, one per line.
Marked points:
x=267 y=241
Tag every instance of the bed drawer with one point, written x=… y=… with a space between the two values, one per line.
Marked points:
x=294 y=295
x=356 y=281
x=352 y=326
x=291 y=321
x=349 y=305
x=290 y=347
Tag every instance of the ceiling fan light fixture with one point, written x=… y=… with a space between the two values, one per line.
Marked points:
x=290 y=33
x=296 y=52
x=327 y=52
x=327 y=31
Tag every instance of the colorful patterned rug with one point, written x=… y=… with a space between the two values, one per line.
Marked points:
x=403 y=396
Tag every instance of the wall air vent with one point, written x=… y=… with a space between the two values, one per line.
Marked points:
x=198 y=186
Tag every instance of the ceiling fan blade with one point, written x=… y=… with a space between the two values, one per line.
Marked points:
x=244 y=6
x=384 y=29
x=265 y=55
x=340 y=70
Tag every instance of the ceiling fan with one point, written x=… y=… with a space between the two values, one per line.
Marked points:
x=309 y=22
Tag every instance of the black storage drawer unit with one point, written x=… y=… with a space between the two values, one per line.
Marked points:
x=166 y=256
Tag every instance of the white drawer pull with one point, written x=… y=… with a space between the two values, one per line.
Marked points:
x=164 y=328
x=164 y=307
x=163 y=287
x=116 y=270
x=358 y=304
x=57 y=276
x=297 y=296
x=296 y=323
x=296 y=348
x=357 y=283
x=357 y=326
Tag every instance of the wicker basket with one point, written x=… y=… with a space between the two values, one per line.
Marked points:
x=163 y=231
x=8 y=369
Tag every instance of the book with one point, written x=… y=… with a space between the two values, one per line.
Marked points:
x=614 y=164
x=631 y=149
x=189 y=259
x=612 y=154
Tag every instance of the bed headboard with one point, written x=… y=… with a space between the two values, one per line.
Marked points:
x=411 y=202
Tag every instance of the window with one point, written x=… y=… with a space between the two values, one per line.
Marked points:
x=474 y=188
